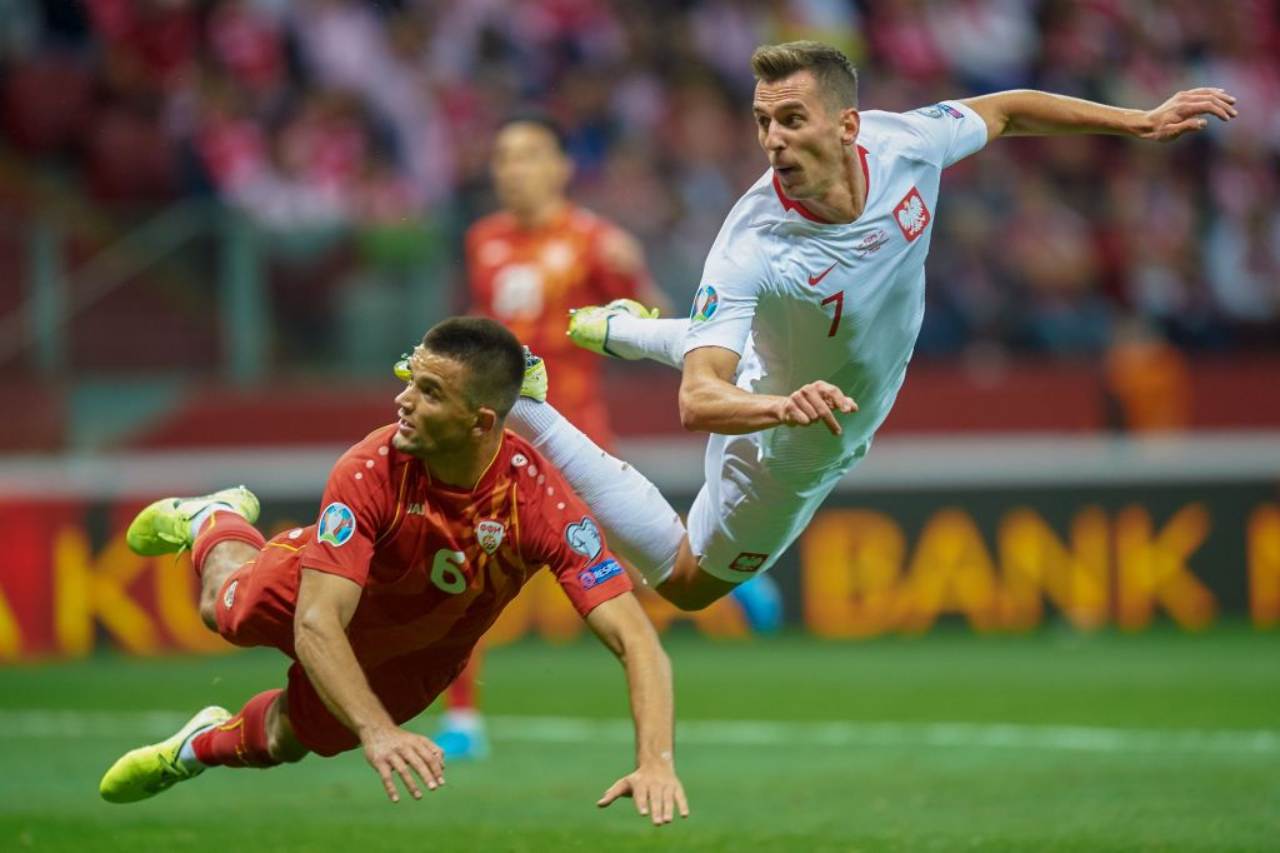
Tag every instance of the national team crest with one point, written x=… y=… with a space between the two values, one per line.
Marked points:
x=911 y=215
x=337 y=524
x=705 y=303
x=490 y=533
x=584 y=537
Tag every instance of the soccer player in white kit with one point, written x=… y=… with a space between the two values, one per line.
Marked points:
x=811 y=299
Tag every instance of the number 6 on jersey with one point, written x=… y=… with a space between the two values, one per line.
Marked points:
x=446 y=571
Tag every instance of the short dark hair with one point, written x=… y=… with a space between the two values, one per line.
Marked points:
x=837 y=78
x=539 y=118
x=494 y=359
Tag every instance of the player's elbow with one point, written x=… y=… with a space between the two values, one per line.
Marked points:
x=691 y=414
x=643 y=648
x=311 y=629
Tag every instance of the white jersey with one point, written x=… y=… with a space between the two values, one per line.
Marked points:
x=801 y=299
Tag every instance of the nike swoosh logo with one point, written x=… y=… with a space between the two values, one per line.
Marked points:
x=814 y=279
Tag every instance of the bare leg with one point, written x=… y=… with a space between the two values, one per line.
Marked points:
x=688 y=586
x=223 y=559
x=282 y=743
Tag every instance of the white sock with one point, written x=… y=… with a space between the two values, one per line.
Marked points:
x=466 y=720
x=660 y=340
x=187 y=755
x=641 y=527
x=198 y=520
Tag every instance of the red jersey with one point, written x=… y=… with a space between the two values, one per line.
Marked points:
x=438 y=563
x=529 y=278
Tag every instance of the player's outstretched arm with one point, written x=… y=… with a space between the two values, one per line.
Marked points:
x=1024 y=112
x=621 y=625
x=710 y=402
x=326 y=603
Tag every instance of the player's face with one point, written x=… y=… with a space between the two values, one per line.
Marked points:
x=805 y=139
x=435 y=416
x=529 y=169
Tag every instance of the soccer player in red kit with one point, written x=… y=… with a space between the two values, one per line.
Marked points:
x=527 y=264
x=429 y=527
x=540 y=255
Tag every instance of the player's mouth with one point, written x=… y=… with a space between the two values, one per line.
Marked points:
x=786 y=172
x=405 y=428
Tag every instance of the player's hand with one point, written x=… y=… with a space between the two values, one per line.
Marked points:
x=395 y=752
x=1186 y=112
x=656 y=790
x=817 y=402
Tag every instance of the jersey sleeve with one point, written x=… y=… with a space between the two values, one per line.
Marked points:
x=724 y=307
x=946 y=132
x=565 y=536
x=352 y=512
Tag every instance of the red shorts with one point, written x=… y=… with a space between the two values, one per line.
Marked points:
x=255 y=608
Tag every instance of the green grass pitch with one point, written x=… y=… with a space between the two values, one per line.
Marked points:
x=1056 y=741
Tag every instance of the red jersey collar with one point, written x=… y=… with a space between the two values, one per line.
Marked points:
x=798 y=206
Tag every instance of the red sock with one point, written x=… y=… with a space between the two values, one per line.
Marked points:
x=222 y=526
x=242 y=740
x=461 y=695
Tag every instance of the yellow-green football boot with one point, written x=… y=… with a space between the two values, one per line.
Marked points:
x=146 y=771
x=164 y=527
x=534 y=385
x=589 y=326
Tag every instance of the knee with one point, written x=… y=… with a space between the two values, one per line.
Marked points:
x=285 y=749
x=687 y=597
x=209 y=612
x=282 y=743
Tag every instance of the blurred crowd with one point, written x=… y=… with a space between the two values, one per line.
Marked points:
x=356 y=115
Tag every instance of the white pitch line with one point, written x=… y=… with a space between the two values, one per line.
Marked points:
x=153 y=725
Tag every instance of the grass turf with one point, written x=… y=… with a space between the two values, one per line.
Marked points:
x=770 y=792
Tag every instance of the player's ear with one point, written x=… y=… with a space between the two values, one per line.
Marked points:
x=487 y=421
x=850 y=123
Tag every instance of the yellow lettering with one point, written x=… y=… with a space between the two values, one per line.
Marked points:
x=85 y=590
x=951 y=571
x=1152 y=568
x=1033 y=560
x=10 y=633
x=849 y=564
x=178 y=605
x=1264 y=566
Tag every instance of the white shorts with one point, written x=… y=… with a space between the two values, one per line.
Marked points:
x=744 y=516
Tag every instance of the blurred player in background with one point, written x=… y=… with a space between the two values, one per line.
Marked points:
x=430 y=527
x=527 y=265
x=811 y=297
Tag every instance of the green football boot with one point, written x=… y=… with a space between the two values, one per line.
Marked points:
x=589 y=326
x=146 y=771
x=164 y=527
x=534 y=385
